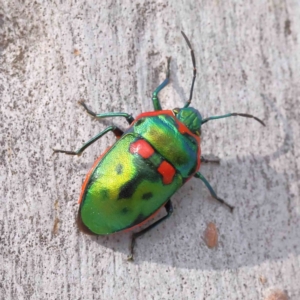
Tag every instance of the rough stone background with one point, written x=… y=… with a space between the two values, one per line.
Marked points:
x=112 y=55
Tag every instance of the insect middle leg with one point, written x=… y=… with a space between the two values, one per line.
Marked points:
x=169 y=210
x=155 y=99
x=117 y=131
x=212 y=192
x=127 y=116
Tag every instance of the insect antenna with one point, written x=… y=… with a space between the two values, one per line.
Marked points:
x=194 y=69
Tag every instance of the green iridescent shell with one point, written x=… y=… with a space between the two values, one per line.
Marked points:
x=123 y=190
x=127 y=186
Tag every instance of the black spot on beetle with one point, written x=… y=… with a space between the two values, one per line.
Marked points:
x=119 y=169
x=147 y=196
x=128 y=189
x=104 y=193
x=125 y=210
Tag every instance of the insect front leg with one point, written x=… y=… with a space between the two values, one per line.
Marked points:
x=155 y=100
x=127 y=116
x=169 y=210
x=212 y=192
x=117 y=131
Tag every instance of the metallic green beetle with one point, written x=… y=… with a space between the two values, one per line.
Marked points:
x=147 y=164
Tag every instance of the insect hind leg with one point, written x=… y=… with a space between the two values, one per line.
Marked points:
x=169 y=210
x=211 y=190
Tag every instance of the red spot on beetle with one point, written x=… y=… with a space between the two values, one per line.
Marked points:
x=167 y=171
x=142 y=148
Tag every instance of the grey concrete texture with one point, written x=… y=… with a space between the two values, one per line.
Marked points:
x=113 y=55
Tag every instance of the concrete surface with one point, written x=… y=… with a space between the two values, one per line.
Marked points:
x=112 y=55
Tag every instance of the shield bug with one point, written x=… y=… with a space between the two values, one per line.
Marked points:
x=147 y=164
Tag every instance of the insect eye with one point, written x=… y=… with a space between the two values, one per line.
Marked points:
x=176 y=110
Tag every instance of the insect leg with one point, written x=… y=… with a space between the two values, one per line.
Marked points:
x=214 y=161
x=118 y=132
x=155 y=99
x=169 y=210
x=212 y=192
x=127 y=116
x=233 y=115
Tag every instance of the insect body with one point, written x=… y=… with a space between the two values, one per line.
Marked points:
x=147 y=164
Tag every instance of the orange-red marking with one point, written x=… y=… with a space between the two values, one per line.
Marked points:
x=183 y=129
x=167 y=171
x=153 y=114
x=142 y=148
